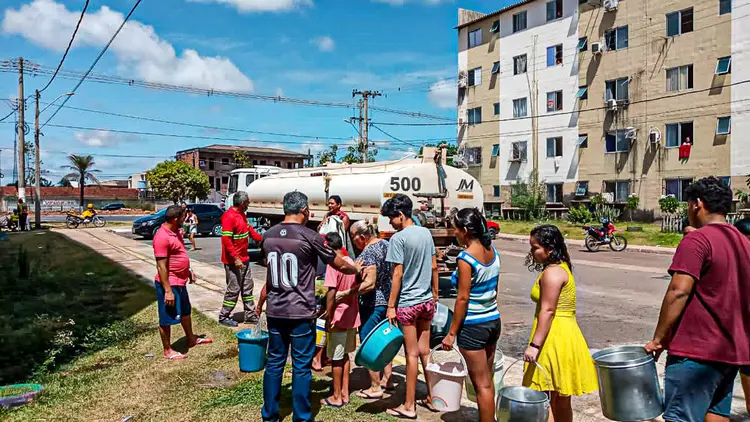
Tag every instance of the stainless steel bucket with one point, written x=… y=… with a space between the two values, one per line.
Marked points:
x=522 y=404
x=628 y=384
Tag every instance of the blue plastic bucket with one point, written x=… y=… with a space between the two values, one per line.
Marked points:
x=252 y=350
x=379 y=347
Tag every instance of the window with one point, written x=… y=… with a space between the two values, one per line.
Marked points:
x=224 y=181
x=474 y=156
x=724 y=65
x=616 y=39
x=519 y=21
x=202 y=164
x=210 y=164
x=519 y=108
x=554 y=147
x=475 y=76
x=583 y=44
x=475 y=38
x=225 y=161
x=496 y=191
x=617 y=142
x=234 y=181
x=519 y=64
x=619 y=190
x=296 y=165
x=518 y=151
x=496 y=67
x=679 y=133
x=250 y=178
x=217 y=184
x=554 y=55
x=554 y=193
x=277 y=163
x=583 y=93
x=496 y=108
x=583 y=140
x=727 y=180
x=554 y=101
x=723 y=125
x=495 y=27
x=496 y=150
x=210 y=181
x=680 y=78
x=680 y=22
x=288 y=165
x=582 y=188
x=677 y=188
x=554 y=10
x=475 y=116
x=725 y=6
x=617 y=89
x=255 y=162
x=263 y=162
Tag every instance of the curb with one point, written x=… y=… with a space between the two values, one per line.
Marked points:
x=659 y=250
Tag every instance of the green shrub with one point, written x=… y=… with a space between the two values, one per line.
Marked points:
x=531 y=197
x=579 y=215
x=605 y=211
x=597 y=200
x=669 y=204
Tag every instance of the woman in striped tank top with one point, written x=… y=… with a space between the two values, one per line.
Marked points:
x=476 y=319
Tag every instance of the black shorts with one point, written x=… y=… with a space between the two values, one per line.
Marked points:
x=479 y=336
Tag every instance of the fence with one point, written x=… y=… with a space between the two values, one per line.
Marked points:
x=511 y=213
x=674 y=223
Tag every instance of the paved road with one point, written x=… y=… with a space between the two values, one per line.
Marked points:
x=619 y=294
x=113 y=218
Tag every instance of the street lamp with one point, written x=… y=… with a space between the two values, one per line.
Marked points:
x=37 y=161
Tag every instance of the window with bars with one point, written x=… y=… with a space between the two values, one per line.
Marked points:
x=680 y=78
x=518 y=151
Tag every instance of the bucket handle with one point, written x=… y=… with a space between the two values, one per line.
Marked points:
x=455 y=350
x=546 y=375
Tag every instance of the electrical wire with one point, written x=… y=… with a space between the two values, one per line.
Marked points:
x=8 y=115
x=70 y=43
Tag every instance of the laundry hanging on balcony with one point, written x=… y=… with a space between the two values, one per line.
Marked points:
x=685 y=149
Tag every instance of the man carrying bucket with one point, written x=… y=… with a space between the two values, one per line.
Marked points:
x=705 y=315
x=292 y=251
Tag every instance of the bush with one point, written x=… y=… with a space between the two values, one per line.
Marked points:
x=668 y=204
x=579 y=215
x=633 y=201
x=597 y=200
x=139 y=205
x=610 y=213
x=530 y=197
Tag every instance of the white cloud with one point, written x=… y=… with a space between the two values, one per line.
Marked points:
x=259 y=6
x=443 y=94
x=324 y=43
x=138 y=48
x=402 y=2
x=99 y=138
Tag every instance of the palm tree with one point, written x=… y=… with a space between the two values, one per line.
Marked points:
x=82 y=168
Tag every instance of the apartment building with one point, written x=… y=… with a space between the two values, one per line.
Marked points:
x=617 y=97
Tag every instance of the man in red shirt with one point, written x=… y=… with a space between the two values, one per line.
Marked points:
x=235 y=234
x=705 y=316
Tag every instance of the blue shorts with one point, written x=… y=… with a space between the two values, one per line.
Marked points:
x=171 y=315
x=693 y=388
x=370 y=319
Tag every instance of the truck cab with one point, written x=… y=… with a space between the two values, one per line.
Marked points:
x=240 y=179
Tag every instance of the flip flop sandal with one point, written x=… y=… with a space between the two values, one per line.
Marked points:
x=326 y=403
x=176 y=356
x=427 y=404
x=398 y=414
x=203 y=340
x=367 y=396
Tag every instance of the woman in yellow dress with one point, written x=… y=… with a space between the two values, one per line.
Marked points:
x=557 y=344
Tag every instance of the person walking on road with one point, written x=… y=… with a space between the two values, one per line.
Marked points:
x=235 y=234
x=191 y=223
x=557 y=345
x=23 y=215
x=414 y=292
x=476 y=318
x=173 y=274
x=292 y=251
x=704 y=321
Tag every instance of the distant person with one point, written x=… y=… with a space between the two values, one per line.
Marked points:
x=557 y=344
x=744 y=227
x=292 y=252
x=414 y=291
x=88 y=213
x=476 y=318
x=235 y=235
x=704 y=321
x=23 y=215
x=191 y=225
x=173 y=274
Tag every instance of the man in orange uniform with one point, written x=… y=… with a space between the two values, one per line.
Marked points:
x=235 y=234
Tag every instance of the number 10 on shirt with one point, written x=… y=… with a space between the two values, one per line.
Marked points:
x=288 y=269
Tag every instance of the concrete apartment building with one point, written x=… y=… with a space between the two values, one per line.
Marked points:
x=637 y=79
x=217 y=161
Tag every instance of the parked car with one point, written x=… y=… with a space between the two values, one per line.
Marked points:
x=209 y=221
x=113 y=206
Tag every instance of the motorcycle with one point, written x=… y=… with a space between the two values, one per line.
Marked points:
x=72 y=221
x=595 y=237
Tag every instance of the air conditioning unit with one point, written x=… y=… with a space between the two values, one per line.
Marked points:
x=596 y=48
x=462 y=79
x=610 y=5
x=654 y=137
x=631 y=133
x=612 y=105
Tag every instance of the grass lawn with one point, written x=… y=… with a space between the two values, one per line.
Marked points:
x=650 y=236
x=101 y=371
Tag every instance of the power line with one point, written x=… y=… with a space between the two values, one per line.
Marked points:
x=104 y=50
x=70 y=43
x=393 y=137
x=8 y=115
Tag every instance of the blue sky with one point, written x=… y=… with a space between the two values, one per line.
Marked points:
x=311 y=49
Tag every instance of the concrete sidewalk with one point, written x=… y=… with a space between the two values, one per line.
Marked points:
x=636 y=248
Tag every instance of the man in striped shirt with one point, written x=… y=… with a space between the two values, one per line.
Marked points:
x=235 y=234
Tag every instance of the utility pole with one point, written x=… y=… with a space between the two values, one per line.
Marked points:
x=21 y=127
x=37 y=169
x=534 y=112
x=364 y=119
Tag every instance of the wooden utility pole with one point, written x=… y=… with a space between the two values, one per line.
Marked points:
x=37 y=168
x=364 y=120
x=21 y=135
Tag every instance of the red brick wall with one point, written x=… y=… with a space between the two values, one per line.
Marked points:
x=92 y=192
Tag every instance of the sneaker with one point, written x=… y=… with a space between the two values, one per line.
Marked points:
x=228 y=322
x=252 y=319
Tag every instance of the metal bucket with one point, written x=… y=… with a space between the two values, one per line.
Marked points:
x=522 y=404
x=628 y=384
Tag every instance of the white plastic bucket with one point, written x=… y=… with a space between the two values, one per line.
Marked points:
x=320 y=333
x=447 y=382
x=497 y=378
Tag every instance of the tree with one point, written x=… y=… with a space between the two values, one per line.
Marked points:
x=175 y=181
x=354 y=154
x=64 y=183
x=45 y=183
x=82 y=167
x=452 y=150
x=328 y=156
x=531 y=197
x=241 y=160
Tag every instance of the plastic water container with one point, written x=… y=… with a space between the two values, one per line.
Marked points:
x=320 y=333
x=447 y=382
x=497 y=378
x=252 y=350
